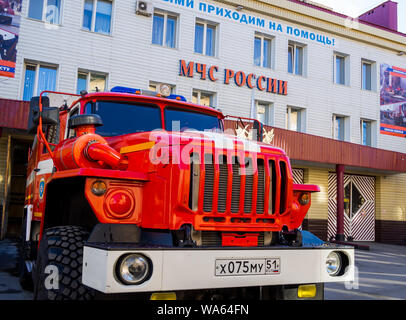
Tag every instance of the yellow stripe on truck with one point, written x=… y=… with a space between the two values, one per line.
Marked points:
x=137 y=147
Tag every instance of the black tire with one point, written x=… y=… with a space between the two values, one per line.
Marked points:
x=61 y=247
x=25 y=276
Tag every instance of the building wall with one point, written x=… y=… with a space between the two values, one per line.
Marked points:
x=129 y=59
x=3 y=165
x=316 y=219
x=391 y=208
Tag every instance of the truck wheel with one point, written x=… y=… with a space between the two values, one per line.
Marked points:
x=25 y=275
x=58 y=271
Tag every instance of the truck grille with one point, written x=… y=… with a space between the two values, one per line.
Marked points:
x=213 y=239
x=223 y=180
x=209 y=184
x=243 y=191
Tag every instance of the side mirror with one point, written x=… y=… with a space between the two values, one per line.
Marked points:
x=50 y=115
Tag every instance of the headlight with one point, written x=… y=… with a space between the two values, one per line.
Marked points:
x=333 y=264
x=119 y=203
x=134 y=269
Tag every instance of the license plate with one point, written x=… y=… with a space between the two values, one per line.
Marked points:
x=245 y=267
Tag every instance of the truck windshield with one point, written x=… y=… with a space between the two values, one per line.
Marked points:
x=121 y=118
x=181 y=120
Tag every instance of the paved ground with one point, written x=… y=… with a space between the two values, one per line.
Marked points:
x=381 y=275
x=10 y=288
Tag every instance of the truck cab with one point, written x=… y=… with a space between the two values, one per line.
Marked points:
x=144 y=193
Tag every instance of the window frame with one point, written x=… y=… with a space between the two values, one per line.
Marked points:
x=372 y=129
x=205 y=24
x=44 y=12
x=269 y=112
x=363 y=79
x=75 y=110
x=93 y=22
x=199 y=92
x=37 y=66
x=295 y=46
x=374 y=75
x=264 y=38
x=301 y=121
x=88 y=78
x=346 y=68
x=345 y=127
x=165 y=27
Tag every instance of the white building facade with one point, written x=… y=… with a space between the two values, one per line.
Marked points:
x=291 y=65
x=332 y=80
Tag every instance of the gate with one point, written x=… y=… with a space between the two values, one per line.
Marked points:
x=298 y=176
x=359 y=207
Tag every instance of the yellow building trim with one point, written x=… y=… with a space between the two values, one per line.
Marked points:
x=319 y=206
x=391 y=197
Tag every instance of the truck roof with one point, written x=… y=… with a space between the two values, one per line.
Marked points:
x=140 y=97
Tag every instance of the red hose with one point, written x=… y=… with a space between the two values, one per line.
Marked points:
x=105 y=153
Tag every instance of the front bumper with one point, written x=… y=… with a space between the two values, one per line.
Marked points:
x=194 y=268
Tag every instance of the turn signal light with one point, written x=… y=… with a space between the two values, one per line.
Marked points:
x=304 y=199
x=99 y=188
x=163 y=296
x=307 y=291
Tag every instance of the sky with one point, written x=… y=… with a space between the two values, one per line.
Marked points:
x=354 y=8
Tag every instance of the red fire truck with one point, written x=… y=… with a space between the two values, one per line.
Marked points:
x=131 y=191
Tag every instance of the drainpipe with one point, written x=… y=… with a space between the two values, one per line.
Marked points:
x=340 y=203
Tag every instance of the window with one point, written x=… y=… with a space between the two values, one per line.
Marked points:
x=123 y=118
x=369 y=75
x=205 y=38
x=366 y=133
x=262 y=51
x=71 y=133
x=296 y=59
x=91 y=82
x=366 y=76
x=264 y=113
x=204 y=98
x=340 y=128
x=341 y=69
x=295 y=119
x=178 y=119
x=97 y=16
x=38 y=78
x=164 y=29
x=45 y=10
